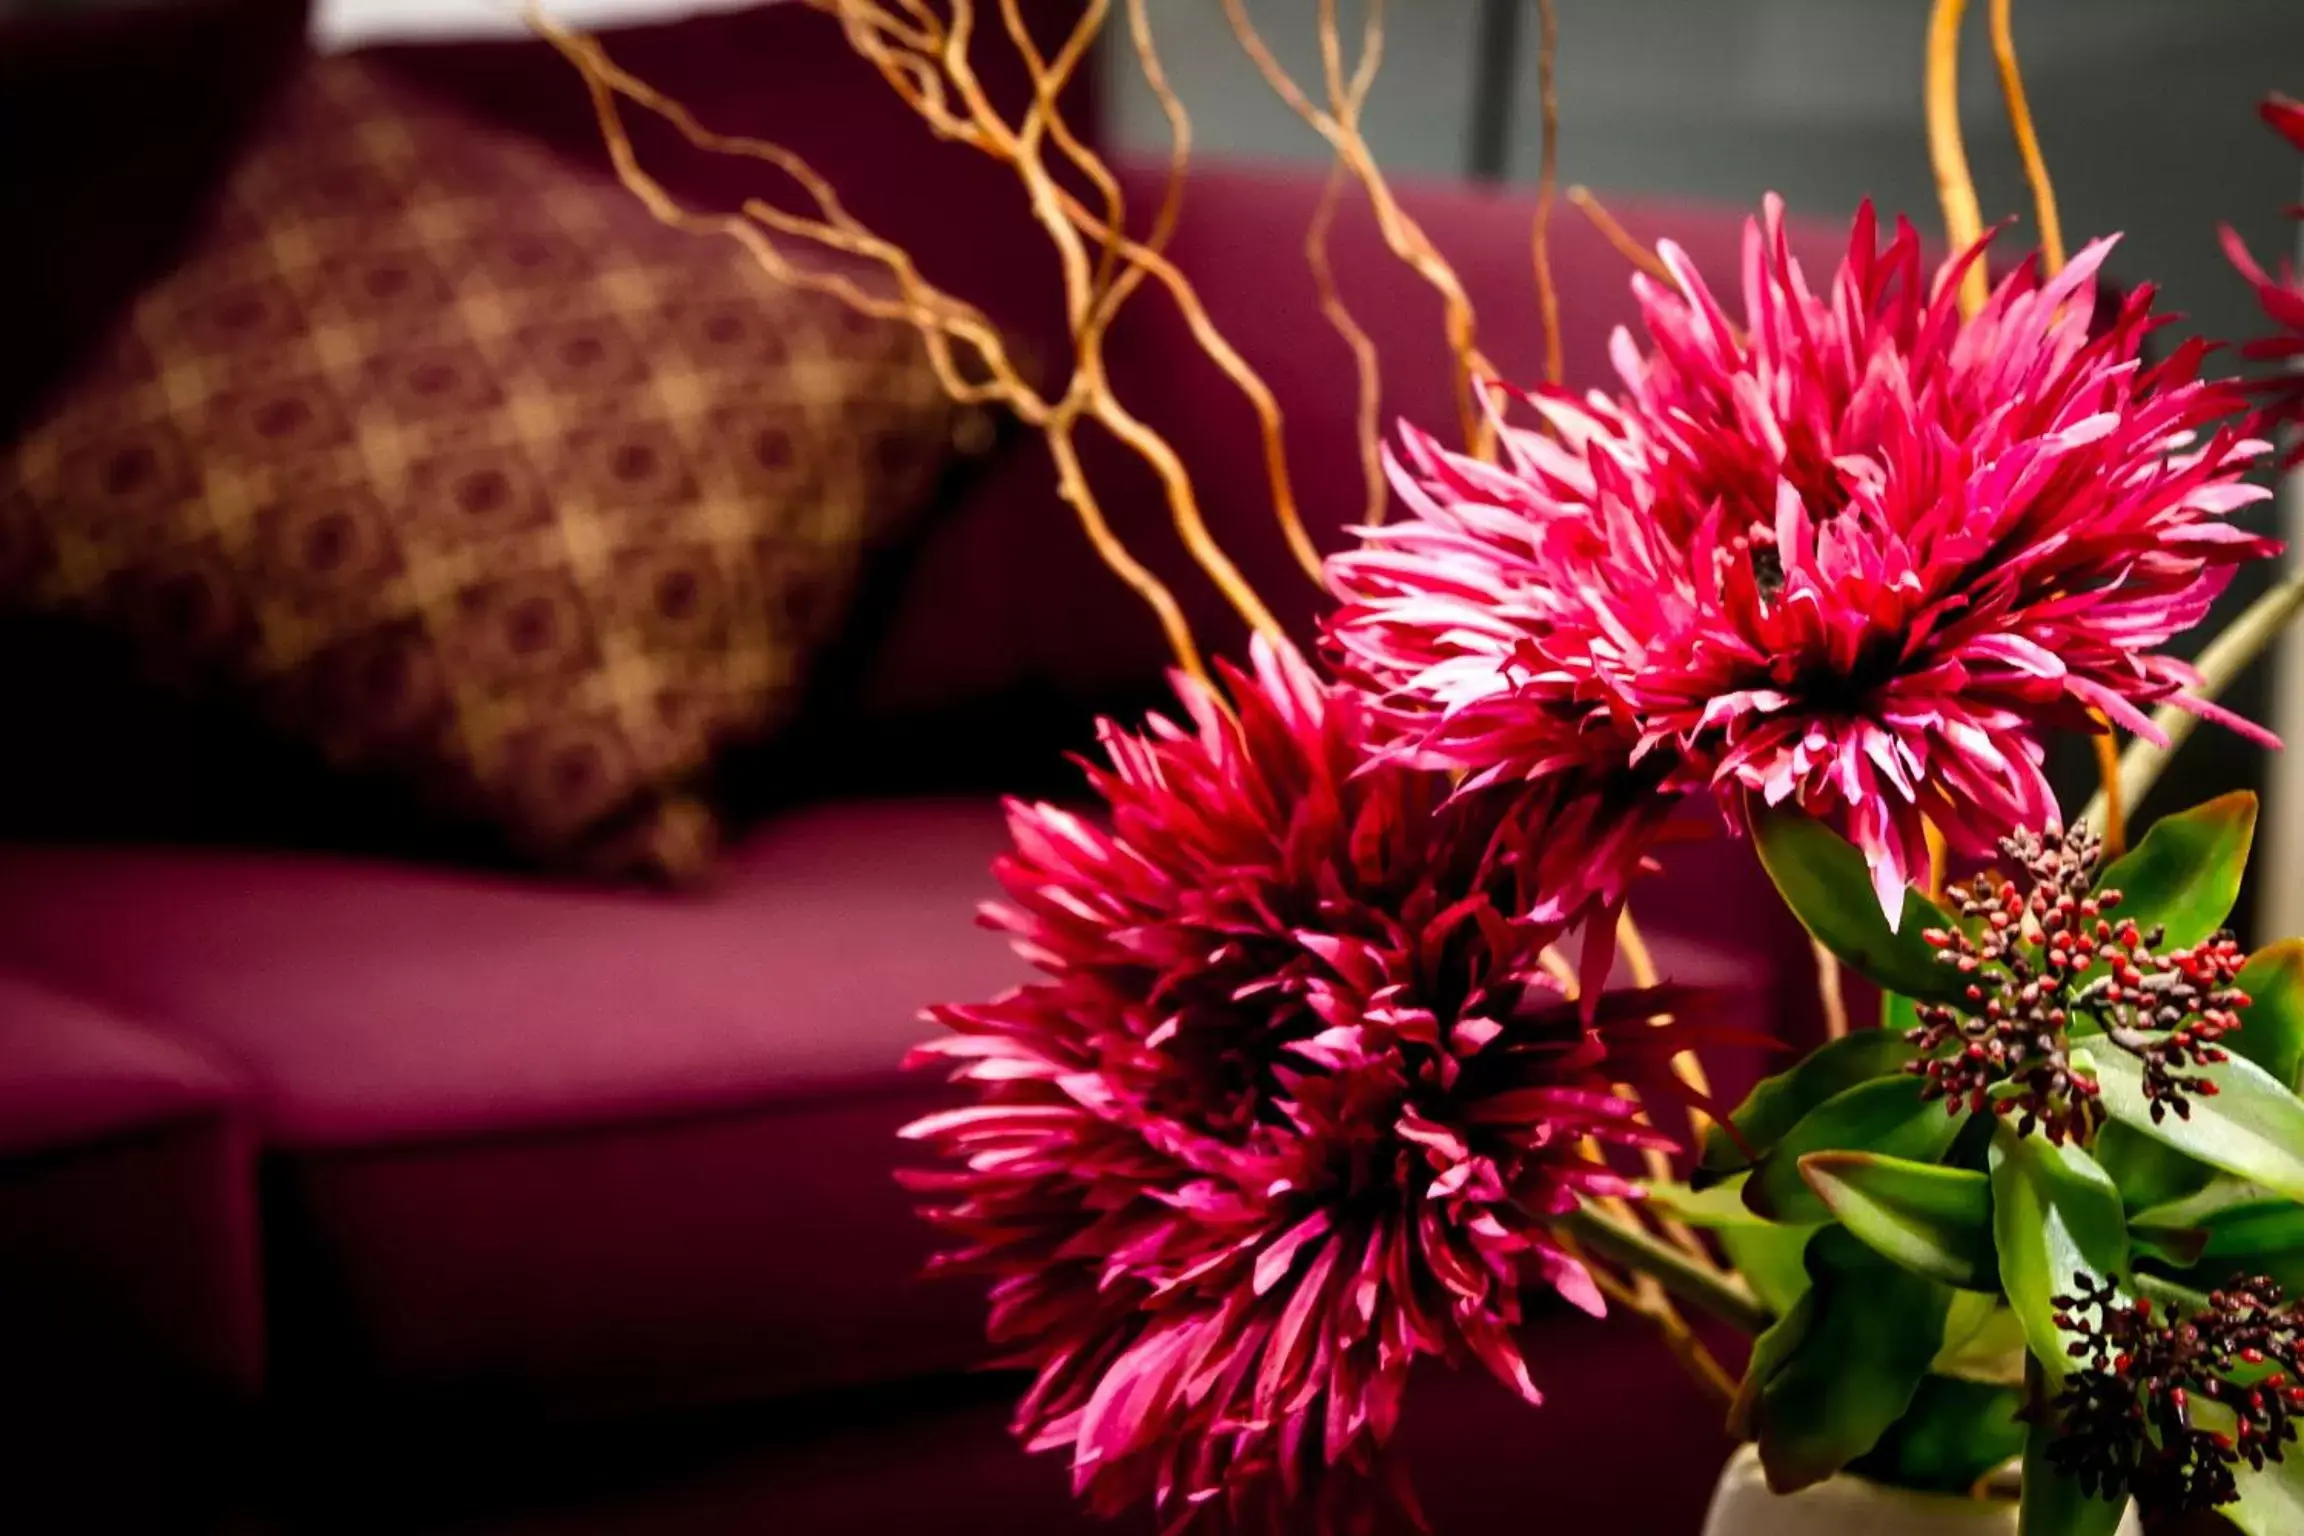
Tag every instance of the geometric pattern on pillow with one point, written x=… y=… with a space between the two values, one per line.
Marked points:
x=452 y=463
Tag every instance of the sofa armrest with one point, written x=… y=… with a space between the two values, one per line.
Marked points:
x=129 y=1304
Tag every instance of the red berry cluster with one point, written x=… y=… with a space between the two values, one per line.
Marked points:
x=2187 y=993
x=2126 y=1417
x=2042 y=953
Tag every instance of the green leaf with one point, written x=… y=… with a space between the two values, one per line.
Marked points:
x=2194 y=1209
x=2263 y=1236
x=2272 y=1025
x=1777 y=1103
x=2177 y=1247
x=2252 y=1229
x=1770 y=1350
x=2186 y=872
x=1934 y=1221
x=1983 y=1341
x=2169 y=1293
x=1886 y=1115
x=2148 y=1172
x=2252 y=1127
x=1954 y=1433
x=1773 y=1261
x=1722 y=1205
x=2054 y=1504
x=2054 y=1215
x=1856 y=1366
x=1826 y=883
x=2271 y=1502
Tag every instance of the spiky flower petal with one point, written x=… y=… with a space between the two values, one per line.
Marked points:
x=2281 y=294
x=1289 y=1109
x=1849 y=551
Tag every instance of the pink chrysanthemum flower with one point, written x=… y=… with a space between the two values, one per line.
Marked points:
x=1289 y=1110
x=1851 y=552
x=2281 y=293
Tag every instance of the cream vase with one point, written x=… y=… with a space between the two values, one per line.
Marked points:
x=1850 y=1506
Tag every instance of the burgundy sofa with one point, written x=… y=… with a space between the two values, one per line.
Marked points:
x=343 y=1191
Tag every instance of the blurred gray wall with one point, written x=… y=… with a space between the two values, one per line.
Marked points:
x=2145 y=109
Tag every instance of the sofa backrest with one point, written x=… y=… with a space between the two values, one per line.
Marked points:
x=1007 y=600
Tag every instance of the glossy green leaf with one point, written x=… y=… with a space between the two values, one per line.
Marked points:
x=2196 y=1208
x=1983 y=1341
x=2271 y=1502
x=1777 y=1103
x=1770 y=1350
x=2252 y=1128
x=1826 y=883
x=2170 y=1293
x=1954 y=1433
x=2054 y=1504
x=2177 y=1247
x=2054 y=1215
x=1772 y=1259
x=1721 y=1205
x=2186 y=871
x=2261 y=1236
x=2250 y=1229
x=1870 y=1332
x=1934 y=1221
x=2148 y=1172
x=2272 y=1025
x=1886 y=1116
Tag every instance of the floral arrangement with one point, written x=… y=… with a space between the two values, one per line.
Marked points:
x=1309 y=1087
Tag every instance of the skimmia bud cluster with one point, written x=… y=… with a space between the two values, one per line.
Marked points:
x=2042 y=955
x=2134 y=1418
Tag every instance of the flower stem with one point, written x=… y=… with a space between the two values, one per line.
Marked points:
x=1955 y=188
x=1723 y=1296
x=2027 y=139
x=2224 y=659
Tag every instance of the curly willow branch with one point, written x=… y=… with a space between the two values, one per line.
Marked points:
x=1581 y=198
x=2003 y=26
x=1346 y=99
x=1547 y=179
x=975 y=122
x=1403 y=236
x=1640 y=1291
x=1955 y=187
x=949 y=327
x=2027 y=141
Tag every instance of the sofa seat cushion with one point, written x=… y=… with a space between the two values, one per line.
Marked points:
x=130 y=1315
x=560 y=1144
x=555 y=1146
x=72 y=1074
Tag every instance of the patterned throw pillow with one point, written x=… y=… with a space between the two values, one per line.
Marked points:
x=459 y=468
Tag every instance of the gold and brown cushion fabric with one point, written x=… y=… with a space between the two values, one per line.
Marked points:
x=451 y=462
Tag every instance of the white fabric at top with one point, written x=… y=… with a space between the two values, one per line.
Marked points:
x=342 y=24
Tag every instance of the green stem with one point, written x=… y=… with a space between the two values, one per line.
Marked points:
x=1724 y=1296
x=2223 y=659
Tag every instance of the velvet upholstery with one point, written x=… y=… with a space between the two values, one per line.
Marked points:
x=526 y=1207
x=577 y=1113
x=592 y=1151
x=130 y=1301
x=116 y=122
